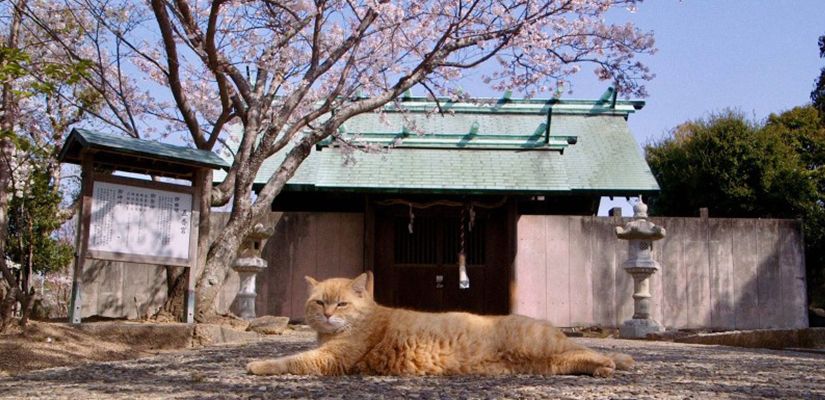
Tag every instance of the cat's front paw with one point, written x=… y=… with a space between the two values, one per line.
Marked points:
x=603 y=372
x=623 y=361
x=606 y=369
x=267 y=367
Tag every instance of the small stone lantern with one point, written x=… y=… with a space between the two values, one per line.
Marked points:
x=640 y=234
x=248 y=264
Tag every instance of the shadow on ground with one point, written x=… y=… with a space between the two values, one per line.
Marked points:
x=664 y=370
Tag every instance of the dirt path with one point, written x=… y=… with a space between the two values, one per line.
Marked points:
x=664 y=371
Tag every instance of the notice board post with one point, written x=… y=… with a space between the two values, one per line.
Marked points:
x=137 y=220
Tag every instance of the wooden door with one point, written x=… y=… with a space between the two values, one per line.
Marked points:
x=418 y=268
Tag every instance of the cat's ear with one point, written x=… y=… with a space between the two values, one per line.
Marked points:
x=311 y=281
x=362 y=284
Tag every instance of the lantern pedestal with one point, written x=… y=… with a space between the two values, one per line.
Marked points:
x=640 y=234
x=248 y=264
x=247 y=269
x=639 y=328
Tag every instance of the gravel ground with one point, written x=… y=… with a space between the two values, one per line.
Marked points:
x=664 y=371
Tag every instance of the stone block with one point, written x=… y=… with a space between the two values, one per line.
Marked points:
x=210 y=334
x=269 y=325
x=639 y=328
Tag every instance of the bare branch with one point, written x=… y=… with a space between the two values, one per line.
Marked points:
x=212 y=54
x=122 y=91
x=173 y=63
x=224 y=66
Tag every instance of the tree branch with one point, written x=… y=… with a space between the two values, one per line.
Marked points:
x=173 y=64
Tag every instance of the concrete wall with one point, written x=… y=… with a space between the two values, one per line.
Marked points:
x=321 y=245
x=118 y=290
x=716 y=273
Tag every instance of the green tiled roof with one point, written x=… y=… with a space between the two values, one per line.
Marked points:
x=81 y=138
x=443 y=170
x=490 y=147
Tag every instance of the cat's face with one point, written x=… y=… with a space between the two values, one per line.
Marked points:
x=335 y=304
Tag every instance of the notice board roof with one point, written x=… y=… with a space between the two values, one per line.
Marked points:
x=129 y=154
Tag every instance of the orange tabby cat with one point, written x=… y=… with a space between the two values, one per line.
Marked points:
x=357 y=335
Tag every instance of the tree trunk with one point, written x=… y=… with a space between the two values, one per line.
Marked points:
x=176 y=283
x=7 y=120
x=175 y=291
x=218 y=259
x=7 y=306
x=244 y=216
x=28 y=269
x=26 y=300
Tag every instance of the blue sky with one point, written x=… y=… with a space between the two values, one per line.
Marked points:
x=757 y=56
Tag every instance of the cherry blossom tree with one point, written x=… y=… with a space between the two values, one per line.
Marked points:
x=291 y=72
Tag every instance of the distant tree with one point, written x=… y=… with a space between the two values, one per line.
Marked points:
x=34 y=215
x=818 y=95
x=43 y=91
x=739 y=168
x=802 y=128
x=730 y=165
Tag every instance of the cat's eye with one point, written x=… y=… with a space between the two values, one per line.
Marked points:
x=343 y=304
x=319 y=302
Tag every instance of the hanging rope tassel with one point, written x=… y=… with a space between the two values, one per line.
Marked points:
x=463 y=279
x=472 y=217
x=412 y=220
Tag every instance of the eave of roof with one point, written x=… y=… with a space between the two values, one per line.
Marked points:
x=507 y=105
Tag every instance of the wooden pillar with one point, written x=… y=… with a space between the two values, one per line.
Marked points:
x=82 y=242
x=197 y=198
x=512 y=244
x=369 y=234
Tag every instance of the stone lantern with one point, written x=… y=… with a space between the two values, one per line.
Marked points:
x=640 y=234
x=248 y=264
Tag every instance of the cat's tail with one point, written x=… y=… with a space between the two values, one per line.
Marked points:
x=623 y=361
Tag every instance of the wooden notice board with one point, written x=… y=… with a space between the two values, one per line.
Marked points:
x=135 y=220
x=138 y=221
